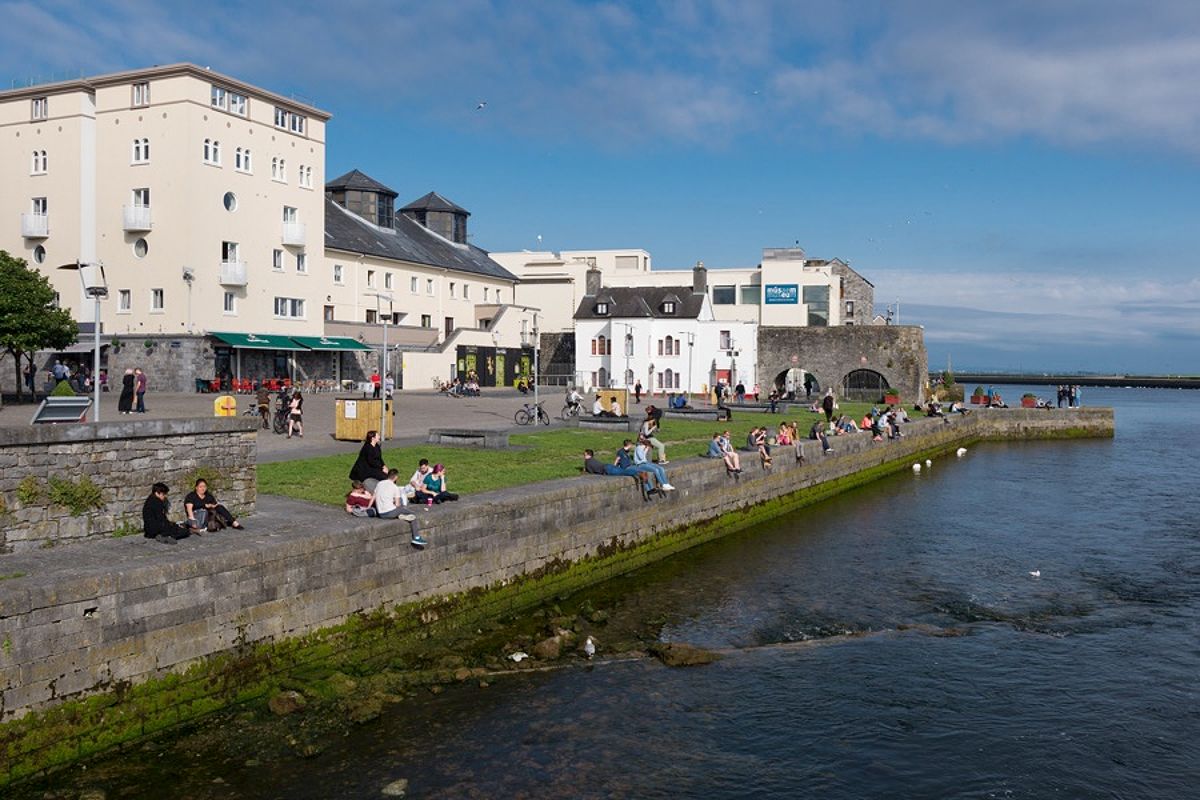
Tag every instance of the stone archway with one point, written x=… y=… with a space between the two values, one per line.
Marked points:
x=864 y=386
x=799 y=383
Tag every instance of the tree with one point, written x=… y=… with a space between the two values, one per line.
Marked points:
x=29 y=320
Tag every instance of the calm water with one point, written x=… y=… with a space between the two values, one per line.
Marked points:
x=888 y=643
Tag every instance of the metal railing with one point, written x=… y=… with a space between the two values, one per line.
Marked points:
x=35 y=226
x=233 y=273
x=135 y=218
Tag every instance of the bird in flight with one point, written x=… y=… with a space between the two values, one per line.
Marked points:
x=482 y=105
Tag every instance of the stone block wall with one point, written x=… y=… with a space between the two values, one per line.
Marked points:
x=122 y=460
x=897 y=352
x=130 y=610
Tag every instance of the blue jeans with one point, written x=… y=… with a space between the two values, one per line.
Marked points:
x=658 y=472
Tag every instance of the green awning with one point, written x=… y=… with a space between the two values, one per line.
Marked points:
x=258 y=341
x=330 y=343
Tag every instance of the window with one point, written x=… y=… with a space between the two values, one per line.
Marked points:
x=39 y=254
x=275 y=168
x=237 y=104
x=229 y=200
x=40 y=207
x=279 y=170
x=601 y=308
x=498 y=300
x=372 y=316
x=305 y=176
x=277 y=259
x=669 y=346
x=280 y=117
x=241 y=159
x=668 y=307
x=156 y=300
x=628 y=347
x=338 y=274
x=601 y=346
x=230 y=303
x=39 y=108
x=452 y=288
x=297 y=123
x=141 y=151
x=816 y=298
x=413 y=283
x=125 y=301
x=141 y=198
x=290 y=214
x=39 y=163
x=466 y=291
x=387 y=280
x=429 y=286
x=140 y=248
x=750 y=295
x=301 y=262
x=229 y=252
x=370 y=279
x=724 y=295
x=290 y=307
x=849 y=308
x=327 y=313
x=426 y=321
x=220 y=98
x=726 y=341
x=485 y=293
x=212 y=152
x=141 y=94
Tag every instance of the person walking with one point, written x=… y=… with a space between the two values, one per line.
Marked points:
x=263 y=398
x=637 y=392
x=125 y=401
x=139 y=389
x=296 y=415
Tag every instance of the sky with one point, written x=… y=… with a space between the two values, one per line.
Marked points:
x=1021 y=177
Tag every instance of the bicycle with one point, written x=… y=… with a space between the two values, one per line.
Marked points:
x=526 y=414
x=569 y=411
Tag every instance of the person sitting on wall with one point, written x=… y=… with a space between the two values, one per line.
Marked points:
x=592 y=465
x=369 y=467
x=641 y=460
x=614 y=407
x=359 y=501
x=679 y=401
x=389 y=498
x=201 y=499
x=155 y=522
x=649 y=432
x=732 y=460
x=762 y=446
x=598 y=409
x=817 y=432
x=623 y=465
x=436 y=489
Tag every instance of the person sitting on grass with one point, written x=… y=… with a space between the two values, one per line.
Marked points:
x=359 y=501
x=417 y=482
x=369 y=467
x=155 y=522
x=641 y=460
x=436 y=490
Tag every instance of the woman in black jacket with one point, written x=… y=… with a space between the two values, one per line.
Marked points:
x=157 y=525
x=369 y=467
x=125 y=404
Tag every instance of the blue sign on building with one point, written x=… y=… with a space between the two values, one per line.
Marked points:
x=781 y=294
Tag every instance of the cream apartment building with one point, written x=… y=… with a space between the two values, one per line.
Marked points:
x=205 y=198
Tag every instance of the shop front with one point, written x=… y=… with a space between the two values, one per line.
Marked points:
x=494 y=366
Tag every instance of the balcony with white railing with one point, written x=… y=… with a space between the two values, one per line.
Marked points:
x=136 y=219
x=293 y=234
x=35 y=226
x=233 y=273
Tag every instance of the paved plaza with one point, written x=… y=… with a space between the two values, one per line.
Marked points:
x=416 y=412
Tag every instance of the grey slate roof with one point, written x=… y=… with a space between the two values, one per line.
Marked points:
x=625 y=302
x=434 y=202
x=358 y=180
x=409 y=241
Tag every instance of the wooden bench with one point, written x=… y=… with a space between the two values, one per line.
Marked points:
x=607 y=423
x=710 y=414
x=469 y=437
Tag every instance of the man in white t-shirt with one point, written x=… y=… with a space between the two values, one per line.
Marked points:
x=614 y=406
x=389 y=497
x=417 y=480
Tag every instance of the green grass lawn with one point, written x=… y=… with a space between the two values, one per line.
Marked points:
x=545 y=454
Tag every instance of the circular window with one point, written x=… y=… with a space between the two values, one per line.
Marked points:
x=230 y=201
x=39 y=254
x=140 y=248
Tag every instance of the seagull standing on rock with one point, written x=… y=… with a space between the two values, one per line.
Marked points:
x=589 y=647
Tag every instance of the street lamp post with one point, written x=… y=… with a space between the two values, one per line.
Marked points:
x=383 y=359
x=691 y=337
x=537 y=346
x=95 y=286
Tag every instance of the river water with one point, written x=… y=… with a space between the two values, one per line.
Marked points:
x=890 y=642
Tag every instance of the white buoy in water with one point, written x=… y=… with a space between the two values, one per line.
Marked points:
x=960 y=452
x=928 y=463
x=916 y=467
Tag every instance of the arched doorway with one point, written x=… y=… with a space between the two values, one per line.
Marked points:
x=602 y=379
x=797 y=384
x=864 y=386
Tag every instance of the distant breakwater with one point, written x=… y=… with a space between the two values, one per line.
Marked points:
x=1133 y=381
x=113 y=640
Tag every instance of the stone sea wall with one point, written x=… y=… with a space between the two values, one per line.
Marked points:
x=65 y=483
x=156 y=635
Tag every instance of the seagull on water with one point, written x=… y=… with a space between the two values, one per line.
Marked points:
x=1037 y=573
x=916 y=467
x=928 y=463
x=960 y=452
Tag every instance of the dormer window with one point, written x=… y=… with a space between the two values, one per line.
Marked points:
x=602 y=308
x=668 y=307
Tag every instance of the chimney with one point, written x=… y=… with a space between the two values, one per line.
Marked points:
x=593 y=283
x=699 y=279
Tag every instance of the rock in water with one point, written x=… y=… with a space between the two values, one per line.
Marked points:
x=397 y=788
x=682 y=655
x=548 y=649
x=285 y=703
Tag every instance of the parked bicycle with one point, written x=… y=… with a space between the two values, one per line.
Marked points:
x=531 y=412
x=279 y=423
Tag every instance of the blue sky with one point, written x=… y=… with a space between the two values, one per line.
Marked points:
x=1024 y=177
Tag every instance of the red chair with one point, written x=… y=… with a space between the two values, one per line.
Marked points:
x=214 y=385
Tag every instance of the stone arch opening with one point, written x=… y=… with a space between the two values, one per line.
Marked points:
x=864 y=386
x=795 y=383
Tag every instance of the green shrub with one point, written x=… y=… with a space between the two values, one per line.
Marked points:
x=979 y=392
x=29 y=493
x=63 y=389
x=126 y=528
x=79 y=497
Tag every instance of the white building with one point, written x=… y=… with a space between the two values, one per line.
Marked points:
x=666 y=337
